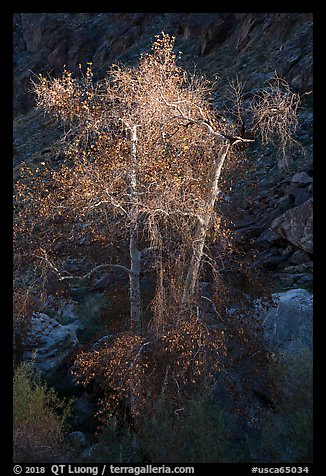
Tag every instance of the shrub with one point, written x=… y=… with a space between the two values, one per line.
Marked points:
x=116 y=444
x=198 y=432
x=39 y=420
x=287 y=434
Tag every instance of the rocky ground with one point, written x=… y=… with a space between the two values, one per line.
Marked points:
x=274 y=206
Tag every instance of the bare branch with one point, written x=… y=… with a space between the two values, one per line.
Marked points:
x=112 y=202
x=233 y=139
x=275 y=110
x=212 y=303
x=85 y=276
x=138 y=354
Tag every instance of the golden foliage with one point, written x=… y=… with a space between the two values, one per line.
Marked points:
x=22 y=309
x=87 y=196
x=121 y=368
x=135 y=371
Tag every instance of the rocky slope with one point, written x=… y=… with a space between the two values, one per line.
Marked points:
x=251 y=45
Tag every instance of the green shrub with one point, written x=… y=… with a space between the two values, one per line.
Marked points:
x=38 y=419
x=287 y=433
x=119 y=446
x=198 y=432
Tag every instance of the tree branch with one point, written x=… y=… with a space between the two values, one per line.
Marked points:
x=202 y=122
x=138 y=353
x=112 y=202
x=85 y=276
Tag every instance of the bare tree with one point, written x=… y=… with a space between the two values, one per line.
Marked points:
x=275 y=116
x=130 y=165
x=145 y=152
x=271 y=116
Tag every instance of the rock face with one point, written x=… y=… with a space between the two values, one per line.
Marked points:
x=295 y=226
x=51 y=342
x=45 y=42
x=289 y=325
x=279 y=222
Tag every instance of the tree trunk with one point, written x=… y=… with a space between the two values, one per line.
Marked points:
x=135 y=254
x=134 y=277
x=202 y=228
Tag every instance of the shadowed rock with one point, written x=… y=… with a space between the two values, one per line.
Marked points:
x=51 y=342
x=295 y=225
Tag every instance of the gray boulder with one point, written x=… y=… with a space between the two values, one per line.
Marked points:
x=301 y=178
x=295 y=225
x=78 y=439
x=288 y=325
x=50 y=342
x=90 y=452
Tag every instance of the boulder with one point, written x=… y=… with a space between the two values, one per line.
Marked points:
x=287 y=331
x=78 y=439
x=299 y=194
x=64 y=308
x=90 y=453
x=301 y=178
x=50 y=342
x=288 y=325
x=299 y=257
x=295 y=225
x=271 y=239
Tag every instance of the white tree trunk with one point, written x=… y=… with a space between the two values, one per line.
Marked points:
x=135 y=253
x=202 y=228
x=134 y=277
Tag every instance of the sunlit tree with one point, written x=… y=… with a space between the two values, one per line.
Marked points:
x=144 y=153
x=139 y=154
